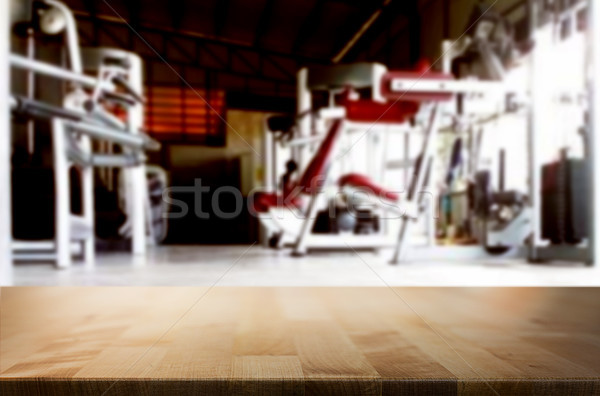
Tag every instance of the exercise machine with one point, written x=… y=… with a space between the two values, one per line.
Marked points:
x=500 y=219
x=352 y=216
x=79 y=126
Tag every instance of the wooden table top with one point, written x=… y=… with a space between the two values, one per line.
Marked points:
x=170 y=341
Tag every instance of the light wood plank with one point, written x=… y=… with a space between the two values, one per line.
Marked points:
x=158 y=341
x=265 y=375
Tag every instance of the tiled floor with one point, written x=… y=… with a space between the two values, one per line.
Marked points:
x=257 y=266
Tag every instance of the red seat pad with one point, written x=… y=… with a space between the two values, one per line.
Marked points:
x=369 y=111
x=364 y=182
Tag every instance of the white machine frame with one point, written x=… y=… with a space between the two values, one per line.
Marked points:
x=72 y=147
x=530 y=96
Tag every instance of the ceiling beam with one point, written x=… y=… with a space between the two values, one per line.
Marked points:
x=90 y=6
x=311 y=20
x=414 y=31
x=133 y=8
x=264 y=22
x=378 y=24
x=348 y=27
x=177 y=11
x=220 y=18
x=119 y=36
x=390 y=41
x=360 y=32
x=142 y=28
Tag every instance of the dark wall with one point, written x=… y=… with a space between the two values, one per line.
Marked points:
x=213 y=168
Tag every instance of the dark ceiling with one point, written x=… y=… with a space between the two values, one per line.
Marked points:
x=248 y=45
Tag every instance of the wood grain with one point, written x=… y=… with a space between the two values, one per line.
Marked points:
x=372 y=341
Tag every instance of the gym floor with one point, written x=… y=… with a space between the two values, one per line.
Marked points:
x=254 y=265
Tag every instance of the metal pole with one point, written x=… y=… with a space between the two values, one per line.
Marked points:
x=140 y=200
x=304 y=99
x=87 y=184
x=447 y=56
x=51 y=70
x=136 y=142
x=593 y=137
x=117 y=160
x=406 y=154
x=71 y=34
x=269 y=170
x=62 y=205
x=417 y=185
x=534 y=128
x=30 y=91
x=5 y=149
x=268 y=164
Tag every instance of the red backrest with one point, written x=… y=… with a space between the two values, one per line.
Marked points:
x=369 y=111
x=313 y=176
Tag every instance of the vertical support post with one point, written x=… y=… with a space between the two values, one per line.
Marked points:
x=136 y=176
x=430 y=213
x=304 y=106
x=269 y=175
x=87 y=183
x=431 y=198
x=415 y=192
x=471 y=146
x=593 y=135
x=269 y=172
x=62 y=193
x=275 y=164
x=6 y=269
x=30 y=90
x=406 y=155
x=447 y=56
x=300 y=247
x=537 y=112
x=372 y=138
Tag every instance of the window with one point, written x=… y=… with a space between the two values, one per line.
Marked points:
x=185 y=115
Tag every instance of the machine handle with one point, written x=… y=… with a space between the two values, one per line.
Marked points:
x=36 y=109
x=119 y=97
x=151 y=144
x=123 y=83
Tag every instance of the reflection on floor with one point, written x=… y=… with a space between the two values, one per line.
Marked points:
x=257 y=266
